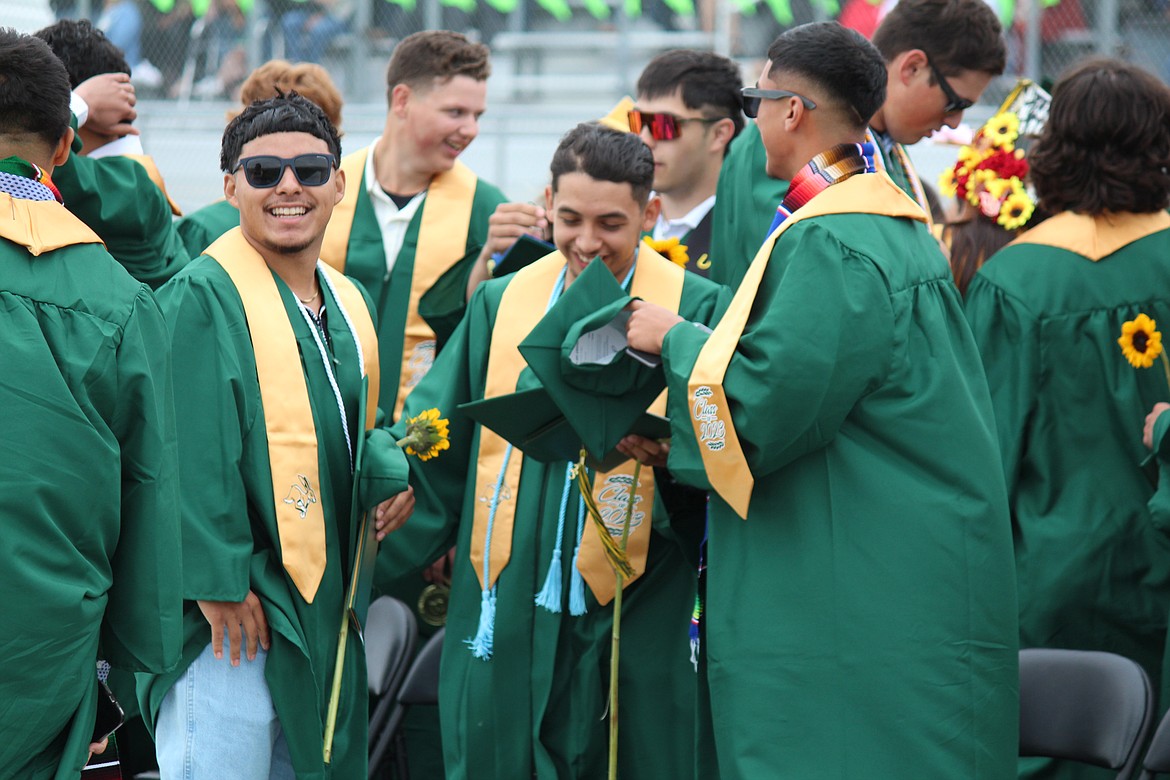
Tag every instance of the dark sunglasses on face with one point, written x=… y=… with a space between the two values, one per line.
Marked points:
x=955 y=103
x=752 y=96
x=662 y=126
x=266 y=170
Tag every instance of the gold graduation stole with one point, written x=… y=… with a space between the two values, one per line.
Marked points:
x=442 y=241
x=727 y=467
x=288 y=413
x=155 y=176
x=1094 y=237
x=41 y=225
x=657 y=280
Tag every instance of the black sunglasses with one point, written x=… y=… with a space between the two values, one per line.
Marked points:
x=753 y=95
x=662 y=126
x=955 y=103
x=266 y=170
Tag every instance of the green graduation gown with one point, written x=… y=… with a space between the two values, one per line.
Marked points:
x=116 y=197
x=230 y=538
x=860 y=623
x=88 y=496
x=199 y=229
x=746 y=201
x=365 y=261
x=537 y=705
x=1093 y=573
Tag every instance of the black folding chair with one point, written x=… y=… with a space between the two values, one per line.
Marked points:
x=390 y=633
x=421 y=686
x=1157 y=760
x=1090 y=707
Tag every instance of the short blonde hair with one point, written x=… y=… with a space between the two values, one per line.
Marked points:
x=305 y=78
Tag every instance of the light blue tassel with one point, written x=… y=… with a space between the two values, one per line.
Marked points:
x=550 y=595
x=577 y=582
x=481 y=644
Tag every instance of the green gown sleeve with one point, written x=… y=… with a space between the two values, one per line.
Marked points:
x=819 y=338
x=117 y=199
x=1007 y=334
x=1159 y=503
x=142 y=626
x=213 y=414
x=439 y=483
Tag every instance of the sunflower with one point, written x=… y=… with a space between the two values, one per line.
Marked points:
x=1140 y=342
x=1002 y=130
x=1016 y=210
x=426 y=435
x=946 y=183
x=671 y=249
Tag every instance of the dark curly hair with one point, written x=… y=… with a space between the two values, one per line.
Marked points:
x=1106 y=146
x=84 y=49
x=605 y=154
x=285 y=113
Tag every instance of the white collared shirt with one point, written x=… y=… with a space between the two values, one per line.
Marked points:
x=127 y=144
x=392 y=221
x=678 y=228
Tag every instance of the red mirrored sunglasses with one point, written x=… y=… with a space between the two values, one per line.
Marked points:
x=662 y=126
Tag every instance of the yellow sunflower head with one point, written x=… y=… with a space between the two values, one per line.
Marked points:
x=426 y=435
x=946 y=183
x=1003 y=130
x=1140 y=342
x=1017 y=208
x=671 y=249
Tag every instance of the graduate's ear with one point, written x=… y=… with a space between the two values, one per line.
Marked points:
x=61 y=152
x=650 y=216
x=548 y=202
x=339 y=182
x=229 y=189
x=907 y=65
x=399 y=97
x=721 y=134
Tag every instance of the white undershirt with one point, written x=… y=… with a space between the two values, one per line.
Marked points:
x=127 y=144
x=392 y=221
x=678 y=228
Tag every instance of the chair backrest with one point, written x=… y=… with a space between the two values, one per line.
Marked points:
x=1084 y=706
x=1157 y=760
x=390 y=636
x=421 y=686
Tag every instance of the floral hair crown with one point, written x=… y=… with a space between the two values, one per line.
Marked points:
x=990 y=173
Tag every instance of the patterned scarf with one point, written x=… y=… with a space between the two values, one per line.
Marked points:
x=826 y=169
x=13 y=170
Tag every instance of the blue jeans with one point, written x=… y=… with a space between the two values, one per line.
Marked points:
x=218 y=721
x=308 y=45
x=122 y=24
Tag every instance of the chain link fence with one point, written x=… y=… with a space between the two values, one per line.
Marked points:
x=202 y=49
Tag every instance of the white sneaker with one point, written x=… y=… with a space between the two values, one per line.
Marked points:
x=147 y=76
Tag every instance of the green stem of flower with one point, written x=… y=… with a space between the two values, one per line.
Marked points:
x=1165 y=367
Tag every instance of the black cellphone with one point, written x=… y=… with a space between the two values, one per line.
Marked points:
x=109 y=713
